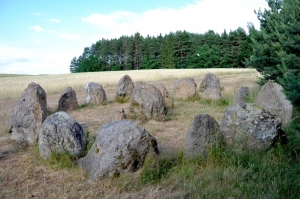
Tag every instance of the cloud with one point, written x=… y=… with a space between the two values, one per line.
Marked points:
x=38 y=42
x=37 y=28
x=32 y=61
x=36 y=13
x=54 y=20
x=70 y=37
x=199 y=17
x=52 y=31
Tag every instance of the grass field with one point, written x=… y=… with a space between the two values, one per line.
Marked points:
x=225 y=173
x=57 y=83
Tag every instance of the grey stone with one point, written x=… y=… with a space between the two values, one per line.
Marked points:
x=67 y=100
x=28 y=114
x=210 y=87
x=120 y=147
x=209 y=81
x=249 y=127
x=125 y=87
x=118 y=115
x=241 y=96
x=95 y=94
x=162 y=89
x=204 y=132
x=146 y=100
x=61 y=133
x=272 y=99
x=184 y=88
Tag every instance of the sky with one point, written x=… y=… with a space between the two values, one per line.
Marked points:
x=42 y=36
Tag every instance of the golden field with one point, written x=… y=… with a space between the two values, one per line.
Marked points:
x=23 y=174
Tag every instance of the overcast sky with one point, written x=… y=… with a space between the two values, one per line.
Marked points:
x=41 y=37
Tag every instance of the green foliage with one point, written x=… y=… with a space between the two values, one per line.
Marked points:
x=229 y=173
x=122 y=100
x=156 y=168
x=193 y=98
x=174 y=50
x=62 y=160
x=276 y=53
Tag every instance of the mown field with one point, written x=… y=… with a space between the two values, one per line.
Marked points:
x=225 y=173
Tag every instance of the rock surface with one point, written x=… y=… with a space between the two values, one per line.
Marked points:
x=184 y=88
x=209 y=81
x=210 y=87
x=125 y=87
x=204 y=132
x=146 y=100
x=241 y=96
x=61 y=133
x=95 y=94
x=28 y=114
x=120 y=147
x=162 y=89
x=249 y=127
x=67 y=100
x=272 y=99
x=118 y=115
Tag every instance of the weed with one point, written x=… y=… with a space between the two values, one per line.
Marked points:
x=223 y=102
x=155 y=168
x=122 y=100
x=62 y=160
x=193 y=98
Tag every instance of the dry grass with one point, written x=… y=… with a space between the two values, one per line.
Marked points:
x=13 y=86
x=24 y=175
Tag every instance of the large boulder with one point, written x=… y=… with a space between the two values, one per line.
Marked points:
x=241 y=97
x=120 y=147
x=272 y=99
x=210 y=87
x=125 y=87
x=95 y=94
x=60 y=133
x=147 y=101
x=249 y=127
x=28 y=114
x=184 y=88
x=67 y=100
x=204 y=132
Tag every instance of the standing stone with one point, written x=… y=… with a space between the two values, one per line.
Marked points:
x=95 y=94
x=125 y=87
x=162 y=89
x=250 y=127
x=120 y=147
x=61 y=133
x=28 y=114
x=204 y=132
x=210 y=87
x=67 y=100
x=272 y=99
x=118 y=115
x=147 y=101
x=185 y=88
x=241 y=96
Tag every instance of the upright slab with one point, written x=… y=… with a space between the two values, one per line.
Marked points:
x=28 y=114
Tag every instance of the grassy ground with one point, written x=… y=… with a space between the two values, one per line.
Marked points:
x=223 y=174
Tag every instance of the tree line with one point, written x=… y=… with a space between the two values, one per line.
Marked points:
x=174 y=50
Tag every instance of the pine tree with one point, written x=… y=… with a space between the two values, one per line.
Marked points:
x=276 y=48
x=73 y=65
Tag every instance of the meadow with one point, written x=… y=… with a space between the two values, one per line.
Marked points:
x=225 y=173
